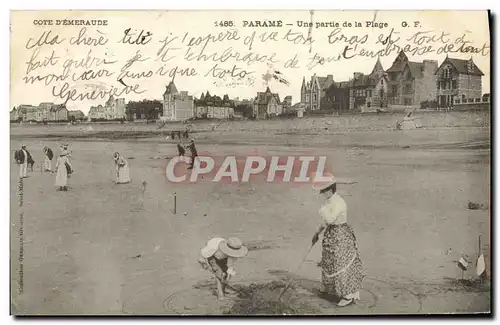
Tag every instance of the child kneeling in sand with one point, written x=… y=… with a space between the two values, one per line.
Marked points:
x=218 y=256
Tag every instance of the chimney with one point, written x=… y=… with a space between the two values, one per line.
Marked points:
x=430 y=65
x=357 y=75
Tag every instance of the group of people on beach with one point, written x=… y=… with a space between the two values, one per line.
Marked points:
x=63 y=168
x=341 y=266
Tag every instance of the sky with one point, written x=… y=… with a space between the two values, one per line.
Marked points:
x=32 y=57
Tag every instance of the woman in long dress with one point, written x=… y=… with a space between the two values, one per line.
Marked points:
x=122 y=169
x=63 y=170
x=342 y=269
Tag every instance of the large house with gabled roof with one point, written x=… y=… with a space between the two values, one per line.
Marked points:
x=411 y=83
x=458 y=82
x=313 y=91
x=267 y=104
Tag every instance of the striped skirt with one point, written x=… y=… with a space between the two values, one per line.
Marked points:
x=342 y=270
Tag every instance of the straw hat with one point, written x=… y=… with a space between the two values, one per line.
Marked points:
x=233 y=247
x=322 y=183
x=116 y=155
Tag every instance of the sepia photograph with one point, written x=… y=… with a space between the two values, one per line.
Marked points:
x=250 y=162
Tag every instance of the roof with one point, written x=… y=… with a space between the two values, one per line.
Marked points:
x=462 y=66
x=56 y=108
x=263 y=98
x=325 y=82
x=343 y=84
x=377 y=67
x=363 y=80
x=416 y=69
x=170 y=89
x=399 y=63
x=77 y=113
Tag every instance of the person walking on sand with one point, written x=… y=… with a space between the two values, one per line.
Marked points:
x=194 y=152
x=122 y=169
x=48 y=159
x=23 y=158
x=218 y=257
x=63 y=169
x=181 y=150
x=342 y=269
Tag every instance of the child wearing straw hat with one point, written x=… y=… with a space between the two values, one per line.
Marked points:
x=217 y=256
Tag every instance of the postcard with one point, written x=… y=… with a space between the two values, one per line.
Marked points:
x=305 y=162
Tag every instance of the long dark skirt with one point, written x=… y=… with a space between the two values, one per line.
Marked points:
x=342 y=270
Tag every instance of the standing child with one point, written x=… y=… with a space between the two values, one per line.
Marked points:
x=218 y=256
x=181 y=150
x=48 y=158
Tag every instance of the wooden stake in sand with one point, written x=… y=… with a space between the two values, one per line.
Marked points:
x=175 y=203
x=143 y=190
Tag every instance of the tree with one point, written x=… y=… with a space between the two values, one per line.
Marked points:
x=151 y=109
x=245 y=109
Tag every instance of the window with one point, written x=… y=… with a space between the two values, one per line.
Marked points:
x=471 y=100
x=394 y=90
x=369 y=104
x=369 y=93
x=314 y=97
x=454 y=84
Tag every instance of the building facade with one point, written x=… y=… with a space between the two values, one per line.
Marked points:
x=313 y=91
x=411 y=83
x=14 y=115
x=368 y=92
x=177 y=105
x=44 y=112
x=266 y=105
x=338 y=96
x=458 y=81
x=113 y=109
x=214 y=107
x=287 y=104
x=77 y=115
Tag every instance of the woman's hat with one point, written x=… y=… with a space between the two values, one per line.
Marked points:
x=116 y=155
x=319 y=184
x=233 y=247
x=191 y=141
